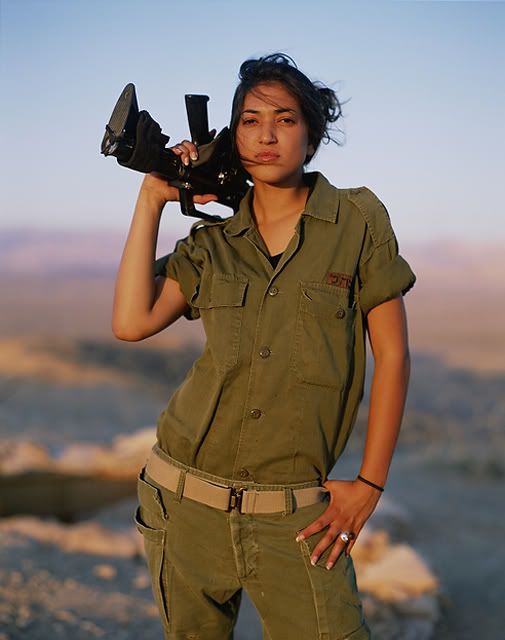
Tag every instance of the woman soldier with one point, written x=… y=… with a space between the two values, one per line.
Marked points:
x=235 y=493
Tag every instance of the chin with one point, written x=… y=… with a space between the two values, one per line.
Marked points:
x=274 y=176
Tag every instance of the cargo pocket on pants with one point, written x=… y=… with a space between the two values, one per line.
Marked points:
x=159 y=569
x=336 y=599
x=150 y=519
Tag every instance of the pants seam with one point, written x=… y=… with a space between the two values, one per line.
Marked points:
x=322 y=633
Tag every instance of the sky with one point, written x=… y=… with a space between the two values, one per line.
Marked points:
x=422 y=83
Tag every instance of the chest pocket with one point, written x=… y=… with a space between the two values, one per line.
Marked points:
x=324 y=341
x=221 y=300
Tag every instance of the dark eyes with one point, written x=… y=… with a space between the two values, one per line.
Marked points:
x=285 y=119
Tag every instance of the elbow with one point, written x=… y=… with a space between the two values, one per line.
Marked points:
x=125 y=333
x=126 y=336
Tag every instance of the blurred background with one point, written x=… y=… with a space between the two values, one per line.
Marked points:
x=423 y=128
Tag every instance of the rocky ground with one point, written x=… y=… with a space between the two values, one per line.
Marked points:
x=430 y=565
x=61 y=586
x=88 y=578
x=459 y=524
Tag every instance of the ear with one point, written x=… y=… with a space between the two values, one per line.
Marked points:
x=310 y=153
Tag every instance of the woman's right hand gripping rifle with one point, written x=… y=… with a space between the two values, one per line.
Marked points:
x=187 y=152
x=145 y=304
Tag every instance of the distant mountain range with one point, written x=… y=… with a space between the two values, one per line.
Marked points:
x=460 y=264
x=78 y=253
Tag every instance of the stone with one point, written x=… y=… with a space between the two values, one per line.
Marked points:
x=105 y=571
x=398 y=575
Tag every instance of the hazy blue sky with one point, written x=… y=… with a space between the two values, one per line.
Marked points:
x=424 y=124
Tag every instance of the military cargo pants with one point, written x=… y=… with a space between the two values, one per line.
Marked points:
x=200 y=558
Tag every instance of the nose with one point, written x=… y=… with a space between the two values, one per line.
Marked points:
x=267 y=133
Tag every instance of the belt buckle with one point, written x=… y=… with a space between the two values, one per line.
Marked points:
x=236 y=498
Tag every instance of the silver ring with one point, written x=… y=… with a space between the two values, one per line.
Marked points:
x=345 y=536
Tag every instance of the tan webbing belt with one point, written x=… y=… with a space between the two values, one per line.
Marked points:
x=224 y=497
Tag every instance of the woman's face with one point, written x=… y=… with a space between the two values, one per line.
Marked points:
x=272 y=136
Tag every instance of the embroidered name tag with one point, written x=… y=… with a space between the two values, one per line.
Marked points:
x=339 y=279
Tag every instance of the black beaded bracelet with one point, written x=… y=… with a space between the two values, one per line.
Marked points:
x=372 y=484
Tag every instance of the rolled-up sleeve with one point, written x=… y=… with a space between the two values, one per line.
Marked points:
x=383 y=273
x=185 y=265
x=384 y=276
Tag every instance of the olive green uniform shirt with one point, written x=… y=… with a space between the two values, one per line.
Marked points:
x=274 y=395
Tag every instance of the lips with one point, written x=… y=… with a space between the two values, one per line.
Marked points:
x=266 y=156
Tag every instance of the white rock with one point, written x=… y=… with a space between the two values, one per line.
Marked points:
x=142 y=580
x=19 y=456
x=65 y=616
x=81 y=458
x=370 y=546
x=105 y=571
x=399 y=574
x=87 y=537
x=136 y=444
x=123 y=458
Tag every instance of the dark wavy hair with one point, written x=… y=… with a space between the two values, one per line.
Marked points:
x=319 y=104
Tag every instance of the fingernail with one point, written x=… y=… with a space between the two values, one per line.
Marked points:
x=329 y=565
x=186 y=160
x=300 y=537
x=194 y=155
x=313 y=561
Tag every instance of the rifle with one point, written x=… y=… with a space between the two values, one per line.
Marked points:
x=137 y=142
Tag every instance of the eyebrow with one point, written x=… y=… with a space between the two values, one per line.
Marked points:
x=278 y=110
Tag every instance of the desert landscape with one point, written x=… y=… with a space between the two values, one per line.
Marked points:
x=77 y=418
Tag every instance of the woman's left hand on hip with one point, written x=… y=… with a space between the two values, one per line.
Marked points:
x=351 y=504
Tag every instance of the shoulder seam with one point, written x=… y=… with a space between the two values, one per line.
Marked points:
x=202 y=223
x=206 y=223
x=374 y=212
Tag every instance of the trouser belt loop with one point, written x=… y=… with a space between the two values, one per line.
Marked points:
x=288 y=501
x=180 y=485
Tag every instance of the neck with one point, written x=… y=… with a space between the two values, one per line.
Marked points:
x=271 y=202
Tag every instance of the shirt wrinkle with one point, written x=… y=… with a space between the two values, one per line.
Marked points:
x=273 y=398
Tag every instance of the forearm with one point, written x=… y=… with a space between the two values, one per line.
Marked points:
x=387 y=403
x=135 y=285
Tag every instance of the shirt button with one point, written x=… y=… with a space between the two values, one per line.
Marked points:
x=255 y=413
x=265 y=352
x=273 y=291
x=243 y=473
x=340 y=313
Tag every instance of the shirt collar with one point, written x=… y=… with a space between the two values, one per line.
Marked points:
x=322 y=203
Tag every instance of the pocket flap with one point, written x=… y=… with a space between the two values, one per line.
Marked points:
x=318 y=297
x=149 y=496
x=224 y=290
